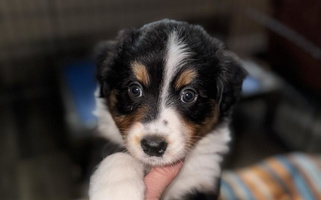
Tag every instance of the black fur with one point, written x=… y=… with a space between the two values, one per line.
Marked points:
x=197 y=195
x=219 y=77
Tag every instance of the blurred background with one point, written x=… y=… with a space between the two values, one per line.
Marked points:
x=47 y=143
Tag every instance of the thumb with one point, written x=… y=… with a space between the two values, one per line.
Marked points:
x=159 y=178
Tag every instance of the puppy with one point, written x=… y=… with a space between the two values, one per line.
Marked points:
x=166 y=91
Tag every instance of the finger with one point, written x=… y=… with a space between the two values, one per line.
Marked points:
x=159 y=178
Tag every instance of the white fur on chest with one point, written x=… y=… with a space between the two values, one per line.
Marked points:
x=201 y=166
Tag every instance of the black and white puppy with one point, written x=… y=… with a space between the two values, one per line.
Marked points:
x=166 y=93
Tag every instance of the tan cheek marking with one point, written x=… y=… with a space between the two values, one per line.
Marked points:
x=137 y=140
x=140 y=73
x=185 y=78
x=138 y=130
x=112 y=99
x=193 y=129
x=198 y=131
x=124 y=122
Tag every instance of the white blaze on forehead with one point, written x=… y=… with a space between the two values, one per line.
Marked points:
x=177 y=53
x=168 y=123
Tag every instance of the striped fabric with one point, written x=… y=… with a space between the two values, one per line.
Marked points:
x=296 y=176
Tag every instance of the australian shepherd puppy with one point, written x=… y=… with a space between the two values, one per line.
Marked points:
x=166 y=91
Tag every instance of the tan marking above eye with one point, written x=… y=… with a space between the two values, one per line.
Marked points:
x=140 y=73
x=185 y=78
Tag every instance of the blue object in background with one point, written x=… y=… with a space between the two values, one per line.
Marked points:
x=251 y=86
x=79 y=77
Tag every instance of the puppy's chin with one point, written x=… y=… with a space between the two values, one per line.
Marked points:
x=158 y=161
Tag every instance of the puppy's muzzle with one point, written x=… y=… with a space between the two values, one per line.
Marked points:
x=154 y=145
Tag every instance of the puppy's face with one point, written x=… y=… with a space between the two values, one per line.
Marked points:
x=167 y=85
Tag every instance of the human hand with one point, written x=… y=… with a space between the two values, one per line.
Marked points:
x=159 y=178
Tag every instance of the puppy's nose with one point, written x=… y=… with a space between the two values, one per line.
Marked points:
x=154 y=145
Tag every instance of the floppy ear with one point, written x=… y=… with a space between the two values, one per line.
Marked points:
x=104 y=54
x=230 y=82
x=103 y=50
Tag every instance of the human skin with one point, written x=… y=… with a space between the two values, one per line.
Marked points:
x=159 y=178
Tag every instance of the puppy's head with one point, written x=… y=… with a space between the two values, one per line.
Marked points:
x=167 y=85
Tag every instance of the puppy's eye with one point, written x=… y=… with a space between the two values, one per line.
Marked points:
x=135 y=91
x=188 y=96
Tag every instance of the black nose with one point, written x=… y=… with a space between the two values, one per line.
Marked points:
x=154 y=145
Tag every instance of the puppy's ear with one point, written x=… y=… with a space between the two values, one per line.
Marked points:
x=104 y=53
x=103 y=50
x=230 y=82
x=107 y=49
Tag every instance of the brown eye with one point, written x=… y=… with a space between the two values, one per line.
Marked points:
x=135 y=91
x=188 y=96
